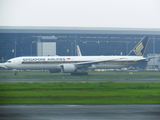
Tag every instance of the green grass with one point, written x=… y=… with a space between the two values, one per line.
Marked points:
x=80 y=93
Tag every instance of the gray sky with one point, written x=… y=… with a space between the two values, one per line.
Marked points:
x=81 y=13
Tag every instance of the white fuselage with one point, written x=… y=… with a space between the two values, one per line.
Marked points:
x=53 y=62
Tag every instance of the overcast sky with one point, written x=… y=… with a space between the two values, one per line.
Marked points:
x=81 y=13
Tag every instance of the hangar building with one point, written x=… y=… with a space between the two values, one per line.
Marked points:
x=33 y=41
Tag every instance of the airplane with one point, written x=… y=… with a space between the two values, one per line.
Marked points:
x=73 y=64
x=78 y=51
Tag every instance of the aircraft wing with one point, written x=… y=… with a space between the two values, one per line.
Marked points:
x=89 y=63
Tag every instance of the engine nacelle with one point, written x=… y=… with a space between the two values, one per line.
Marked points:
x=57 y=70
x=68 y=68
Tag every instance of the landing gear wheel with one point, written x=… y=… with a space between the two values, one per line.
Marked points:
x=86 y=73
x=79 y=73
x=15 y=73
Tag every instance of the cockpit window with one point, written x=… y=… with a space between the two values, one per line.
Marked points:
x=8 y=61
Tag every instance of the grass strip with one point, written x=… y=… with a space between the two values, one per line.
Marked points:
x=80 y=93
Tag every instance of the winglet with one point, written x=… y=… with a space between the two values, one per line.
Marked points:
x=140 y=48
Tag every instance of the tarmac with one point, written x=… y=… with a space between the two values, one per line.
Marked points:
x=92 y=79
x=79 y=112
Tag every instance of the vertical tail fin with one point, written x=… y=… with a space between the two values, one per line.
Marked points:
x=78 y=51
x=140 y=48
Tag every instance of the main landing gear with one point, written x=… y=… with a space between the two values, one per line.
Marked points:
x=79 y=73
x=15 y=73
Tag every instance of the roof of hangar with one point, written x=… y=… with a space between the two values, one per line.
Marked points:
x=79 y=30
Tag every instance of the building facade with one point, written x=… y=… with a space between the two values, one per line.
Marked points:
x=154 y=63
x=62 y=41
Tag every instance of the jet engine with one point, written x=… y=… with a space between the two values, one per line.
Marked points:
x=68 y=68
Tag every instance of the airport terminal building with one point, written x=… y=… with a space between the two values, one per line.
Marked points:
x=62 y=41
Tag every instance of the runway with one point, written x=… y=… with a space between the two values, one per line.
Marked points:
x=80 y=79
x=45 y=77
x=79 y=112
